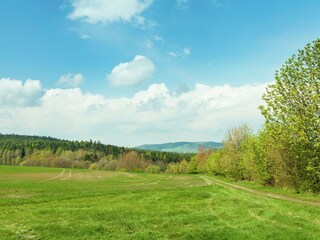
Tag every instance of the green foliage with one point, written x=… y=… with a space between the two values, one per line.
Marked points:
x=172 y=168
x=193 y=165
x=233 y=160
x=218 y=163
x=292 y=113
x=183 y=167
x=93 y=166
x=153 y=169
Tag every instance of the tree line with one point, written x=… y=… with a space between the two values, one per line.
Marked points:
x=51 y=152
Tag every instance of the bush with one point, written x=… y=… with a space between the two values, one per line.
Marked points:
x=93 y=166
x=153 y=169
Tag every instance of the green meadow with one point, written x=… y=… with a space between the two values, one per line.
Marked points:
x=49 y=203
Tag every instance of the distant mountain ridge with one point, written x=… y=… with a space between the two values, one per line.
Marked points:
x=180 y=147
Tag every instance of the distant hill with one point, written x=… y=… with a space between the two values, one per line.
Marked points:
x=180 y=147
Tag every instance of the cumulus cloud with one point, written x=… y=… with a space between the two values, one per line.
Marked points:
x=153 y=115
x=108 y=11
x=132 y=73
x=71 y=80
x=16 y=93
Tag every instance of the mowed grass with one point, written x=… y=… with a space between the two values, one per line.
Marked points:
x=47 y=203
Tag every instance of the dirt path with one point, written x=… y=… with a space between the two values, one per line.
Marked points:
x=57 y=176
x=209 y=181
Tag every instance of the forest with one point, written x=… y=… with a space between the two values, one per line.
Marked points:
x=51 y=152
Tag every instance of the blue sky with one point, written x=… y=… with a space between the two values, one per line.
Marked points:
x=115 y=50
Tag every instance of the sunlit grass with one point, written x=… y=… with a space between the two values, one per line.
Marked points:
x=113 y=205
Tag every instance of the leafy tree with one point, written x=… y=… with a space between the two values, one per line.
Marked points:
x=192 y=166
x=183 y=167
x=132 y=162
x=172 y=168
x=292 y=113
x=201 y=158
x=233 y=145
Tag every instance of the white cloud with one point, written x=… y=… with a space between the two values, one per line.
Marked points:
x=186 y=51
x=172 y=54
x=158 y=38
x=16 y=93
x=150 y=116
x=84 y=36
x=154 y=40
x=132 y=73
x=183 y=53
x=71 y=80
x=108 y=11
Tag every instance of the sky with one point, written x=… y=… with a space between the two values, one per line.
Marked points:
x=131 y=72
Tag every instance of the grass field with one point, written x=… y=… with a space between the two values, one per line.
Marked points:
x=46 y=203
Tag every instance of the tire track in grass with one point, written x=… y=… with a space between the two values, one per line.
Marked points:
x=69 y=176
x=100 y=177
x=162 y=180
x=209 y=181
x=57 y=176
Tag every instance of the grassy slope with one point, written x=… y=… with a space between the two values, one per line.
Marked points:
x=111 y=205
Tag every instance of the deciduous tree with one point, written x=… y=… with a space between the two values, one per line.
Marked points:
x=292 y=113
